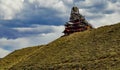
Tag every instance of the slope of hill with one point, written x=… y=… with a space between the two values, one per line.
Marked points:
x=16 y=57
x=96 y=49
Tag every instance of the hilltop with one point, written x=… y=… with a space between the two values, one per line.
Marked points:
x=96 y=49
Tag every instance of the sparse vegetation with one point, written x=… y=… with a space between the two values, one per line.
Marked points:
x=96 y=49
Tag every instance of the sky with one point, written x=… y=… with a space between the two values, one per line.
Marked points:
x=25 y=23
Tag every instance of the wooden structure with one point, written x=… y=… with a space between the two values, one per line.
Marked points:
x=77 y=23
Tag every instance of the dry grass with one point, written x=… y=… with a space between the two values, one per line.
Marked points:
x=96 y=49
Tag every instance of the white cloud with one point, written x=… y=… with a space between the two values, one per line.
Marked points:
x=41 y=28
x=106 y=20
x=9 y=8
x=53 y=4
x=38 y=39
x=19 y=43
x=3 y=52
x=90 y=3
x=57 y=5
x=12 y=9
x=100 y=13
x=13 y=44
x=68 y=1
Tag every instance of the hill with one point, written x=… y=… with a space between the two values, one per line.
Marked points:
x=96 y=49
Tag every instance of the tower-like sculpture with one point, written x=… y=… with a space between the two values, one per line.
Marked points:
x=77 y=22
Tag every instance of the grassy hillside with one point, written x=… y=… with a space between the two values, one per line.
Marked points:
x=16 y=57
x=0 y=59
x=96 y=49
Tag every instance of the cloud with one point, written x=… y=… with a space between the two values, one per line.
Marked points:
x=13 y=44
x=40 y=28
x=28 y=12
x=3 y=52
x=68 y=1
x=18 y=9
x=16 y=32
x=106 y=20
x=104 y=12
x=58 y=8
x=53 y=4
x=32 y=39
x=25 y=13
x=9 y=8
